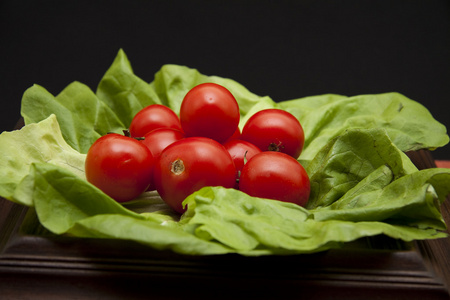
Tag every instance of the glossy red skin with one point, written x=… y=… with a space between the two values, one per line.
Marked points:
x=157 y=140
x=209 y=110
x=275 y=127
x=152 y=117
x=120 y=166
x=236 y=135
x=277 y=176
x=206 y=163
x=239 y=149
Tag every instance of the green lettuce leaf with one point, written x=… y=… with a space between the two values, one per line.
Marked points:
x=350 y=158
x=38 y=142
x=325 y=117
x=61 y=199
x=83 y=117
x=68 y=204
x=255 y=226
x=124 y=92
x=411 y=200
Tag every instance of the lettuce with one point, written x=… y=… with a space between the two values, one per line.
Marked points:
x=82 y=116
x=38 y=142
x=362 y=183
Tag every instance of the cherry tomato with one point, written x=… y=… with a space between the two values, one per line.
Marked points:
x=190 y=164
x=236 y=135
x=275 y=175
x=209 y=110
x=157 y=140
x=122 y=167
x=152 y=117
x=275 y=130
x=240 y=151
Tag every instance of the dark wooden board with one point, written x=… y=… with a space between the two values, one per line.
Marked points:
x=34 y=266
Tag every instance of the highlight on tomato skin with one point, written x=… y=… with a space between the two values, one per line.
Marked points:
x=277 y=176
x=153 y=117
x=190 y=164
x=120 y=166
x=209 y=110
x=275 y=130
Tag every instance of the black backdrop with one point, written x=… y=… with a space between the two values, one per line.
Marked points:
x=284 y=49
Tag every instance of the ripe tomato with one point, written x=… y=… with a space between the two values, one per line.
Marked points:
x=209 y=110
x=236 y=135
x=275 y=130
x=157 y=140
x=240 y=151
x=190 y=164
x=120 y=166
x=152 y=117
x=275 y=175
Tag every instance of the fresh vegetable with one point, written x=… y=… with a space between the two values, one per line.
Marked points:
x=240 y=151
x=153 y=117
x=157 y=140
x=190 y=164
x=362 y=183
x=82 y=116
x=236 y=135
x=326 y=117
x=204 y=107
x=121 y=166
x=275 y=175
x=41 y=142
x=275 y=130
x=211 y=111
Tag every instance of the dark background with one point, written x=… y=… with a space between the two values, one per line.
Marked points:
x=284 y=49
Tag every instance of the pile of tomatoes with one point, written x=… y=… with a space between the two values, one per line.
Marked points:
x=203 y=146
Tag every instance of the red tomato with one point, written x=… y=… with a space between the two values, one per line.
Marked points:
x=157 y=140
x=152 y=117
x=190 y=164
x=120 y=166
x=209 y=110
x=240 y=151
x=275 y=130
x=275 y=175
x=236 y=135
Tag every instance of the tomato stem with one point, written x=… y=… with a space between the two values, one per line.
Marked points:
x=245 y=157
x=275 y=147
x=126 y=132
